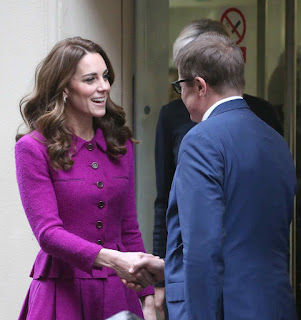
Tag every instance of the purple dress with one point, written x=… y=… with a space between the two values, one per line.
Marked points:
x=73 y=214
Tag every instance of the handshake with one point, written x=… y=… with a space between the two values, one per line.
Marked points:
x=138 y=270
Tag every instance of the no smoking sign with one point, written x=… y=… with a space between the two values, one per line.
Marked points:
x=235 y=23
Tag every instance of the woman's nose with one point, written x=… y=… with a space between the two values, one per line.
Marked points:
x=104 y=85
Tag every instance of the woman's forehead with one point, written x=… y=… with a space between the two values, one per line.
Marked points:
x=91 y=63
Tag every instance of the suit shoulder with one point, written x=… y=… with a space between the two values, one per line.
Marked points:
x=202 y=133
x=31 y=140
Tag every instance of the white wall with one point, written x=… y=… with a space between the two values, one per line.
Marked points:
x=28 y=30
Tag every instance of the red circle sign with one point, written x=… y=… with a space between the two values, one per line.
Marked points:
x=235 y=23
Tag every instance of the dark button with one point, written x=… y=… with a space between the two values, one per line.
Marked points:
x=100 y=242
x=101 y=204
x=99 y=184
x=99 y=224
x=94 y=165
x=90 y=146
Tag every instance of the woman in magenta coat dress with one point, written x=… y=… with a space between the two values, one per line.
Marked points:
x=75 y=171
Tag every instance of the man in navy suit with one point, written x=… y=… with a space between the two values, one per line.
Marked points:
x=231 y=201
x=232 y=197
x=173 y=123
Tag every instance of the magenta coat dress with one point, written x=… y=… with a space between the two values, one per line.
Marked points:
x=73 y=214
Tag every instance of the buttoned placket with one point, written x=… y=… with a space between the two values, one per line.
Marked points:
x=99 y=184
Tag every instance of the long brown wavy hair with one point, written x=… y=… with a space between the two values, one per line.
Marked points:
x=43 y=109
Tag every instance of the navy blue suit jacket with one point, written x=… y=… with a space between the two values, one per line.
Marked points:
x=230 y=209
x=173 y=123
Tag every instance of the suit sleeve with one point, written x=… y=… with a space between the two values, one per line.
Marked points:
x=165 y=170
x=40 y=205
x=131 y=235
x=200 y=196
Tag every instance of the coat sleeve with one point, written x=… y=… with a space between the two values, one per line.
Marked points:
x=40 y=205
x=131 y=235
x=165 y=170
x=200 y=198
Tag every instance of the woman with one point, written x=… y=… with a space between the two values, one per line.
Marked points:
x=75 y=172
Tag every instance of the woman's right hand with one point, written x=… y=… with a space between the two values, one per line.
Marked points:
x=122 y=263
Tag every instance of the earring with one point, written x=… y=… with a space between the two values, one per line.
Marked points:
x=65 y=98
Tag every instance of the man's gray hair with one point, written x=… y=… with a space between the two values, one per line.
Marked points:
x=216 y=59
x=193 y=30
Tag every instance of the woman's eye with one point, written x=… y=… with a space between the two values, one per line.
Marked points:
x=89 y=80
x=106 y=76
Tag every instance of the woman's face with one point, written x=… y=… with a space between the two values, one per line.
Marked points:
x=88 y=89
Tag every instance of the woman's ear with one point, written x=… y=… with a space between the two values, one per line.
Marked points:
x=65 y=92
x=65 y=95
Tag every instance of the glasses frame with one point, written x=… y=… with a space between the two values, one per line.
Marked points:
x=176 y=85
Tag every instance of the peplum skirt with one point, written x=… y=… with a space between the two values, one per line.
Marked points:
x=78 y=299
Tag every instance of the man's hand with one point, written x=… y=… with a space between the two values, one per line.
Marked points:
x=124 y=266
x=123 y=263
x=154 y=266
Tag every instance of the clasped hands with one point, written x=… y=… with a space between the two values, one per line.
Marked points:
x=138 y=270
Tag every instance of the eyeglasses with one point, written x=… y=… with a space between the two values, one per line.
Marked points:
x=176 y=85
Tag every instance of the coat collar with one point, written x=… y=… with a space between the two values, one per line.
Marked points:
x=78 y=143
x=228 y=106
x=98 y=140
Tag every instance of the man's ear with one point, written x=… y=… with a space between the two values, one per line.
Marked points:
x=201 y=85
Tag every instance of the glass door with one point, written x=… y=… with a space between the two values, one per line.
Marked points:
x=150 y=93
x=266 y=31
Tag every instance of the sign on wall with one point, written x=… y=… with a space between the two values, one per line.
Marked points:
x=234 y=21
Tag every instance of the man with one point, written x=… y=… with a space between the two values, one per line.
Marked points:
x=231 y=201
x=173 y=123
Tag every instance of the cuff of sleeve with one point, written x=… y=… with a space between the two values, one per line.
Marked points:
x=93 y=255
x=159 y=253
x=146 y=292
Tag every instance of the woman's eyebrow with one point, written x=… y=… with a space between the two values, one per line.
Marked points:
x=90 y=74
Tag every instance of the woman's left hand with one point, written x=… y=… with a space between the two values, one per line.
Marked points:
x=148 y=307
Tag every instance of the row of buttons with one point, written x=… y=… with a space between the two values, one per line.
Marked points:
x=90 y=147
x=99 y=224
x=99 y=184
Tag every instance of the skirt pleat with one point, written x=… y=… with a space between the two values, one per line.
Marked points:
x=78 y=299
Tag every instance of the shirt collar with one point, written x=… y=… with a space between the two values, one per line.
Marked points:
x=209 y=111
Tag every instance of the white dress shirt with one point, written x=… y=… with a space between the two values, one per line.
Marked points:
x=208 y=112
